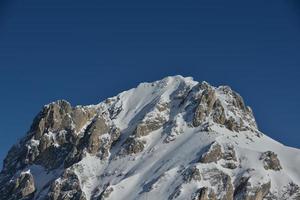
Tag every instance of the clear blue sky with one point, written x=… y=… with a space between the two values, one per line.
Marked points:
x=85 y=51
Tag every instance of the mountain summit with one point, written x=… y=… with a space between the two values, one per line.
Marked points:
x=171 y=139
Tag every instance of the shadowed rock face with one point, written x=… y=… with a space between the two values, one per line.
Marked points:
x=20 y=187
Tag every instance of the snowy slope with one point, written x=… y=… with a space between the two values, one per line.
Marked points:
x=170 y=139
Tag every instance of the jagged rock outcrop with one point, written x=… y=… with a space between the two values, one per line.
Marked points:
x=219 y=113
x=206 y=103
x=217 y=152
x=52 y=135
x=213 y=154
x=21 y=187
x=67 y=187
x=170 y=139
x=99 y=137
x=191 y=173
x=153 y=120
x=133 y=146
x=244 y=190
x=61 y=115
x=205 y=194
x=97 y=129
x=221 y=181
x=210 y=106
x=106 y=192
x=60 y=136
x=270 y=161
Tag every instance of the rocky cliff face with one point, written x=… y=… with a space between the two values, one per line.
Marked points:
x=170 y=139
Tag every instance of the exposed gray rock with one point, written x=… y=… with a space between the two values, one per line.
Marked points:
x=74 y=156
x=146 y=127
x=231 y=124
x=229 y=153
x=230 y=158
x=230 y=165
x=216 y=153
x=99 y=137
x=239 y=102
x=211 y=107
x=106 y=192
x=52 y=157
x=206 y=102
x=80 y=116
x=58 y=136
x=191 y=173
x=205 y=193
x=94 y=132
x=67 y=187
x=51 y=136
x=213 y=154
x=238 y=107
x=25 y=183
x=107 y=142
x=21 y=187
x=54 y=117
x=15 y=158
x=270 y=161
x=60 y=115
x=221 y=181
x=219 y=112
x=61 y=136
x=133 y=146
x=176 y=193
x=290 y=192
x=245 y=191
x=150 y=124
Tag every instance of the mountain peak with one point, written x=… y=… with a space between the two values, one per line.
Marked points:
x=190 y=98
x=174 y=138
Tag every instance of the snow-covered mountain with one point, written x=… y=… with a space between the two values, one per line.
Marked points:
x=171 y=139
